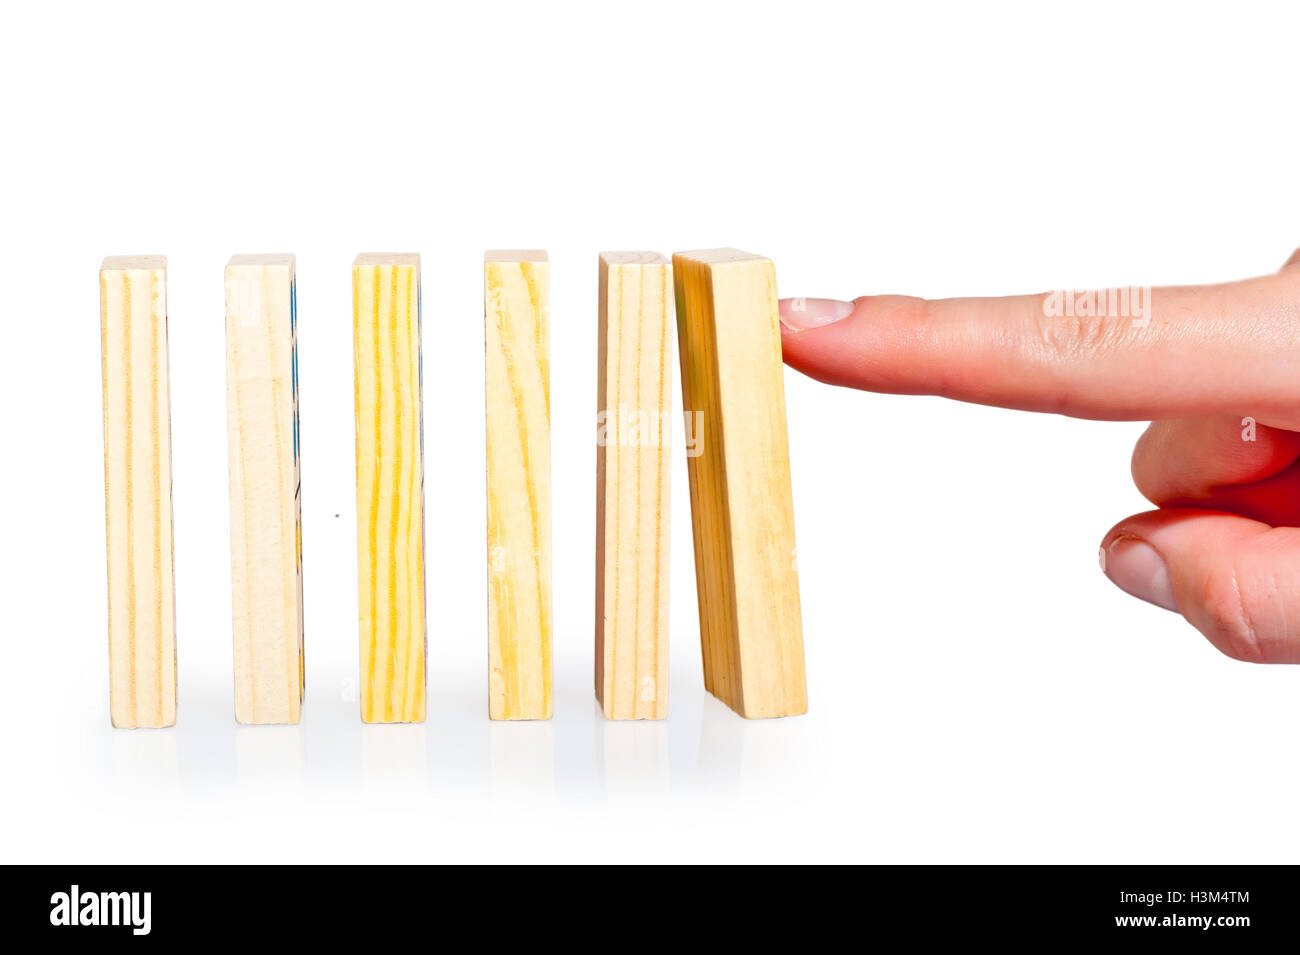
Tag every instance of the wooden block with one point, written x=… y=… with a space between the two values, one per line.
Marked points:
x=741 y=511
x=390 y=486
x=515 y=292
x=632 y=440
x=138 y=491
x=265 y=513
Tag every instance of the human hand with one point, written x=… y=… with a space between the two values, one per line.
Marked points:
x=1217 y=370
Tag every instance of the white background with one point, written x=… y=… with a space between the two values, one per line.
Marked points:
x=979 y=691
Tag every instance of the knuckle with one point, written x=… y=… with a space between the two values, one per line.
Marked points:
x=1147 y=463
x=1069 y=337
x=1239 y=621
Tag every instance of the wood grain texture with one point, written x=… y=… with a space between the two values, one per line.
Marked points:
x=632 y=480
x=138 y=491
x=390 y=486
x=515 y=293
x=741 y=509
x=265 y=509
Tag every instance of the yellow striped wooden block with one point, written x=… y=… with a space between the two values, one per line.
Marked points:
x=515 y=292
x=138 y=491
x=265 y=513
x=741 y=508
x=390 y=486
x=632 y=438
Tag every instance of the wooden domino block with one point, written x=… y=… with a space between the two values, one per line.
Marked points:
x=741 y=511
x=138 y=491
x=265 y=512
x=632 y=441
x=515 y=293
x=390 y=486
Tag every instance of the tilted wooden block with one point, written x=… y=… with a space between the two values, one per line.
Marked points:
x=138 y=491
x=390 y=486
x=632 y=480
x=741 y=509
x=515 y=292
x=265 y=512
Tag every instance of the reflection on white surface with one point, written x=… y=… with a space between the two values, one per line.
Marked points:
x=703 y=747
x=269 y=754
x=634 y=757
x=148 y=756
x=722 y=746
x=394 y=751
x=522 y=757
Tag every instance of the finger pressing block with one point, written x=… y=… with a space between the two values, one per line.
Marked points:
x=742 y=514
x=632 y=436
x=515 y=292
x=265 y=514
x=390 y=486
x=138 y=491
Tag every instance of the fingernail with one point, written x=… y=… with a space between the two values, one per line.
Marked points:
x=1135 y=568
x=799 y=314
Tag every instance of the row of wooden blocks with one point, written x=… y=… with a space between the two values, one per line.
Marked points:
x=731 y=376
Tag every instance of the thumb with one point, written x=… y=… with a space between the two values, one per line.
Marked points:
x=1235 y=580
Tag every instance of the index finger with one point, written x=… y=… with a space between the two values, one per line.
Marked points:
x=1135 y=354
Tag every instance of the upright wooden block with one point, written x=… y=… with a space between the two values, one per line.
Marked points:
x=632 y=440
x=390 y=486
x=741 y=510
x=515 y=292
x=265 y=511
x=138 y=491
